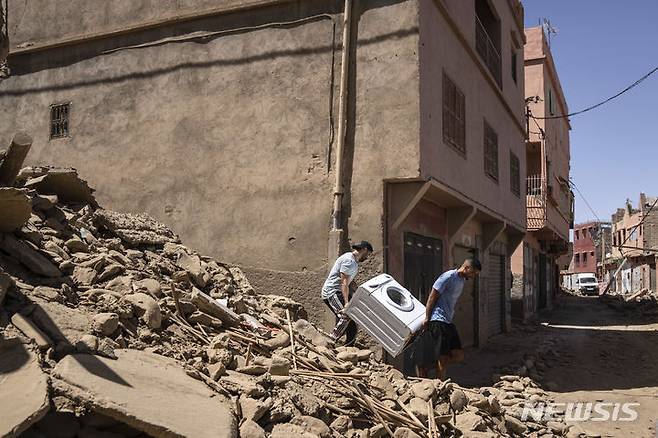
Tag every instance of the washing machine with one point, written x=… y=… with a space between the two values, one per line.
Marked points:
x=386 y=311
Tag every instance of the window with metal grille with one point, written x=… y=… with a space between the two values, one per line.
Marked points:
x=454 y=115
x=577 y=259
x=59 y=120
x=490 y=151
x=514 y=66
x=514 y=174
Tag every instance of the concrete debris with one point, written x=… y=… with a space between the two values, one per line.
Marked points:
x=15 y=207
x=147 y=391
x=30 y=330
x=23 y=389
x=135 y=229
x=65 y=183
x=12 y=161
x=141 y=335
x=30 y=257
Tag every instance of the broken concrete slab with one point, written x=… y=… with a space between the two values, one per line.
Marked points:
x=28 y=256
x=65 y=183
x=135 y=229
x=13 y=160
x=62 y=324
x=149 y=392
x=23 y=390
x=30 y=330
x=16 y=209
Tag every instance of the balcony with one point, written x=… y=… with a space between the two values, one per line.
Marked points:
x=487 y=50
x=535 y=202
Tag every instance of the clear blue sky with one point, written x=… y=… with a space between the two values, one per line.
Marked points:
x=601 y=47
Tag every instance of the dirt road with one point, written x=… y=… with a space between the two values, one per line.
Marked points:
x=596 y=354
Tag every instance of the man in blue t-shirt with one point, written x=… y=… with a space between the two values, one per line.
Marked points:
x=440 y=344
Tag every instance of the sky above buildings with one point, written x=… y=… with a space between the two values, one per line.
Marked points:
x=601 y=47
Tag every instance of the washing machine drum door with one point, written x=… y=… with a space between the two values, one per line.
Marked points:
x=399 y=298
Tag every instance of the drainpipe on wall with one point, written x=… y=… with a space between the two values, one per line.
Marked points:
x=4 y=32
x=336 y=233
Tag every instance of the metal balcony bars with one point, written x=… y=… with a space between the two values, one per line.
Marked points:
x=534 y=185
x=485 y=46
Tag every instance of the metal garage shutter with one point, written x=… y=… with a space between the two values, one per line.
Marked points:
x=495 y=291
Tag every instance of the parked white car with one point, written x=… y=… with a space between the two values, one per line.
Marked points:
x=587 y=284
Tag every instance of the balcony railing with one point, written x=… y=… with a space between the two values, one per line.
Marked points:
x=534 y=185
x=535 y=202
x=487 y=50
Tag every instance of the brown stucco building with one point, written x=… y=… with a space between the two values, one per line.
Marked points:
x=590 y=241
x=548 y=194
x=634 y=247
x=222 y=119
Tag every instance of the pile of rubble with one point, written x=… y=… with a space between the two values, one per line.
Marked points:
x=110 y=327
x=644 y=303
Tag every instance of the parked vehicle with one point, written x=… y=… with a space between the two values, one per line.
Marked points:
x=587 y=284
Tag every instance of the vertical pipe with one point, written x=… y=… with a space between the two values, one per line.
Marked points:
x=342 y=115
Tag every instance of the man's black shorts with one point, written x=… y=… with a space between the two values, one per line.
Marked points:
x=439 y=339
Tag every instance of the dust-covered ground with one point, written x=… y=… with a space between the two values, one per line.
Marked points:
x=586 y=351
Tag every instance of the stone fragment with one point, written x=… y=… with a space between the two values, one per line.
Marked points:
x=87 y=344
x=515 y=425
x=28 y=256
x=468 y=421
x=341 y=424
x=253 y=409
x=419 y=407
x=303 y=426
x=151 y=285
x=84 y=276
x=424 y=389
x=76 y=245
x=216 y=370
x=30 y=330
x=279 y=366
x=281 y=340
x=106 y=323
x=309 y=332
x=16 y=209
x=23 y=389
x=192 y=265
x=458 y=399
x=405 y=432
x=243 y=384
x=251 y=429
x=146 y=308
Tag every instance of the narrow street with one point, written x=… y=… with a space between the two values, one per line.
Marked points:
x=592 y=353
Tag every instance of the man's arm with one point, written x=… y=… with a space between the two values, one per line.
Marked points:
x=345 y=286
x=429 y=306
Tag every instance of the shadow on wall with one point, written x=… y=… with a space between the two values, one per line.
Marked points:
x=31 y=63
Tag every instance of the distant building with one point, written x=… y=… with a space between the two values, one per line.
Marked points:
x=590 y=239
x=548 y=195
x=634 y=243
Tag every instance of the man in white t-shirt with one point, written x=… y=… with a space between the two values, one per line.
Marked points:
x=336 y=289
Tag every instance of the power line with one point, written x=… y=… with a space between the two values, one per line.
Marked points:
x=584 y=199
x=634 y=84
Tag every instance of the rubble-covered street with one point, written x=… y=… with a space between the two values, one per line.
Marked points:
x=588 y=349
